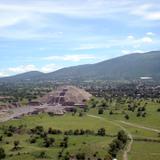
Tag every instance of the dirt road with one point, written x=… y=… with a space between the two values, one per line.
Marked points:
x=141 y=127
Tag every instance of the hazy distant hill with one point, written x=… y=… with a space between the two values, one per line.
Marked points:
x=131 y=66
x=24 y=76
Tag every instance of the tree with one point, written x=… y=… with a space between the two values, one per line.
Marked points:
x=158 y=110
x=2 y=153
x=33 y=140
x=122 y=136
x=113 y=150
x=42 y=154
x=64 y=143
x=100 y=111
x=80 y=114
x=118 y=143
x=16 y=145
x=48 y=142
x=127 y=116
x=1 y=138
x=101 y=132
x=138 y=114
x=111 y=112
x=80 y=156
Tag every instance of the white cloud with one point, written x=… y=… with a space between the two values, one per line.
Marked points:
x=150 y=34
x=74 y=57
x=128 y=42
x=92 y=46
x=27 y=68
x=137 y=42
x=146 y=40
x=22 y=69
x=147 y=11
x=3 y=74
x=130 y=37
x=49 y=68
x=31 y=16
x=9 y=19
x=80 y=8
x=132 y=51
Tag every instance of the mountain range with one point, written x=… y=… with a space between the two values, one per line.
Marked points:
x=127 y=67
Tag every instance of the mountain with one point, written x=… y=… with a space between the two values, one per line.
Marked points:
x=131 y=66
x=24 y=76
x=127 y=67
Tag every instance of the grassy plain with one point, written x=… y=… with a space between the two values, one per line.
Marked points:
x=89 y=144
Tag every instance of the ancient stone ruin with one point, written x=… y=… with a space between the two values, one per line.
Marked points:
x=66 y=96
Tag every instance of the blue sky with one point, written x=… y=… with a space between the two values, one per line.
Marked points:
x=46 y=35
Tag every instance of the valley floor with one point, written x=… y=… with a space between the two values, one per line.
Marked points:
x=143 y=133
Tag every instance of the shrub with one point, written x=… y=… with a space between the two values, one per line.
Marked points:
x=48 y=142
x=158 y=110
x=118 y=143
x=122 y=136
x=2 y=153
x=100 y=111
x=33 y=140
x=101 y=132
x=80 y=114
x=111 y=112
x=80 y=156
x=42 y=154
x=16 y=145
x=54 y=131
x=126 y=116
x=1 y=138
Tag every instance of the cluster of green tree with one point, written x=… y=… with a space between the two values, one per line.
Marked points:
x=10 y=130
x=141 y=112
x=100 y=103
x=118 y=144
x=38 y=133
x=39 y=130
x=79 y=132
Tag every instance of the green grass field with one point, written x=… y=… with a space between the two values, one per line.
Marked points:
x=145 y=151
x=140 y=150
x=88 y=144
